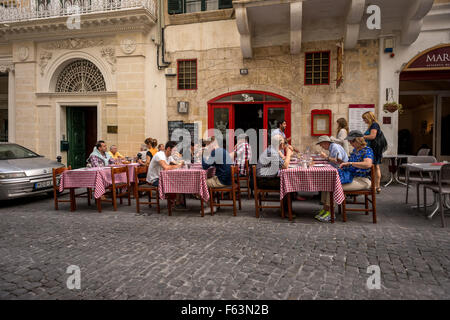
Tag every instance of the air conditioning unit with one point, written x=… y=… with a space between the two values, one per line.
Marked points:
x=171 y=72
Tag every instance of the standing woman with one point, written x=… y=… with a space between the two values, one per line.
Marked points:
x=342 y=133
x=370 y=135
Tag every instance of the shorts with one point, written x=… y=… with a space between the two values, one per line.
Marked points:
x=214 y=182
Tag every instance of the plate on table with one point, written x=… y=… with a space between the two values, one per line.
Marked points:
x=319 y=165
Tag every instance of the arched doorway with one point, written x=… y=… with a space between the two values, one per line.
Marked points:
x=425 y=95
x=249 y=109
x=80 y=76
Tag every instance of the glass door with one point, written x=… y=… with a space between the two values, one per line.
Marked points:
x=273 y=115
x=443 y=128
x=221 y=117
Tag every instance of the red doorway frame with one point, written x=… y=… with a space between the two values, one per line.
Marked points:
x=282 y=103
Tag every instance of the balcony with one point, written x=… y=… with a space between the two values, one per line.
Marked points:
x=41 y=19
x=15 y=11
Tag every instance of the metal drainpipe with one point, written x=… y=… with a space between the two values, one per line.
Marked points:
x=161 y=32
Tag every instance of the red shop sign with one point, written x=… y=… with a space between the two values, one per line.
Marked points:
x=436 y=58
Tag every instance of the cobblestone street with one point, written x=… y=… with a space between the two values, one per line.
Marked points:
x=185 y=256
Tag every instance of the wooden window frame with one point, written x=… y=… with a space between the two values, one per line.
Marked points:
x=329 y=69
x=178 y=74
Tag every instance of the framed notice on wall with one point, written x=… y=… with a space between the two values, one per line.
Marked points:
x=355 y=112
x=321 y=122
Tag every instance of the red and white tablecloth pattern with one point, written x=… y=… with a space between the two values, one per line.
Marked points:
x=183 y=181
x=97 y=178
x=210 y=172
x=313 y=179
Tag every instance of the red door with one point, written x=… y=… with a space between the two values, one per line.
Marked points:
x=221 y=117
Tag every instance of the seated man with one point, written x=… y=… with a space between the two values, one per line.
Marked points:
x=221 y=160
x=99 y=157
x=337 y=152
x=355 y=173
x=270 y=162
x=163 y=160
x=115 y=154
x=242 y=153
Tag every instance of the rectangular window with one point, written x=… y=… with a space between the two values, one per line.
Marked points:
x=187 y=74
x=317 y=68
x=188 y=6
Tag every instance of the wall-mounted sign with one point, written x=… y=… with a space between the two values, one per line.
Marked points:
x=355 y=112
x=111 y=129
x=321 y=122
x=183 y=107
x=244 y=71
x=436 y=58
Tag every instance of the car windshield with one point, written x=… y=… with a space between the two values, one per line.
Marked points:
x=14 y=151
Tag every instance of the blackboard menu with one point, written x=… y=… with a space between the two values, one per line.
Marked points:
x=193 y=130
x=173 y=125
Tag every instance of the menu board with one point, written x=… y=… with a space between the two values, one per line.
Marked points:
x=193 y=130
x=355 y=112
x=173 y=125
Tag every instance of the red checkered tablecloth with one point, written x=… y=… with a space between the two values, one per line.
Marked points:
x=183 y=181
x=96 y=178
x=313 y=179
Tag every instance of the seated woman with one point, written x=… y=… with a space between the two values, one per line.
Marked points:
x=99 y=157
x=354 y=174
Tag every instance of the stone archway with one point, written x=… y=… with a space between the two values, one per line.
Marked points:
x=80 y=76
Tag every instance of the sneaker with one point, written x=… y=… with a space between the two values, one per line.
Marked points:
x=326 y=217
x=319 y=215
x=208 y=210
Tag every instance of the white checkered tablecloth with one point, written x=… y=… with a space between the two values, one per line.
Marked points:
x=311 y=180
x=183 y=181
x=96 y=178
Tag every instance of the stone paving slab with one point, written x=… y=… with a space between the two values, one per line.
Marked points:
x=185 y=256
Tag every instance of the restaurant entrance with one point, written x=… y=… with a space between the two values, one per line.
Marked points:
x=81 y=134
x=248 y=110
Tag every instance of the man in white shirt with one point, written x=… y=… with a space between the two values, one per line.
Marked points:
x=161 y=161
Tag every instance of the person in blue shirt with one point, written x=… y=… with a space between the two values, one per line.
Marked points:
x=221 y=160
x=355 y=173
x=373 y=131
x=336 y=151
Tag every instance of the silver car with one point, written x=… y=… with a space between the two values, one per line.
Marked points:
x=24 y=172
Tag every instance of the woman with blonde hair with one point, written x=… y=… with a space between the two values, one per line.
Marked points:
x=372 y=133
x=342 y=133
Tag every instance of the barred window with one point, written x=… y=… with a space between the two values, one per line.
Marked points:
x=187 y=74
x=317 y=68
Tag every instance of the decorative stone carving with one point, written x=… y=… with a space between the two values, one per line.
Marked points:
x=43 y=60
x=74 y=43
x=6 y=67
x=128 y=45
x=110 y=56
x=23 y=53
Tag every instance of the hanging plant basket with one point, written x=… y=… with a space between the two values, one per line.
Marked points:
x=392 y=107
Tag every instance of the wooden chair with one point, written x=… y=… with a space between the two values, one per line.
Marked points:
x=369 y=196
x=115 y=189
x=246 y=178
x=144 y=188
x=58 y=171
x=233 y=189
x=261 y=194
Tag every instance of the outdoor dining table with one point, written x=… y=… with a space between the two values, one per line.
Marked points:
x=426 y=167
x=323 y=177
x=186 y=180
x=393 y=167
x=97 y=178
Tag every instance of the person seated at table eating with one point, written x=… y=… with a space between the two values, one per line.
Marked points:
x=115 y=154
x=270 y=162
x=242 y=153
x=149 y=142
x=163 y=161
x=221 y=160
x=354 y=174
x=337 y=153
x=99 y=157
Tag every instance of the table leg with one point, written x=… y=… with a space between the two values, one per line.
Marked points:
x=390 y=180
x=73 y=205
x=289 y=206
x=332 y=206
x=201 y=203
x=436 y=204
x=169 y=205
x=396 y=179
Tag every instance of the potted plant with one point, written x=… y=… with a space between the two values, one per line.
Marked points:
x=392 y=107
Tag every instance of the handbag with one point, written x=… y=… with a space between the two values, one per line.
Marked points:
x=380 y=143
